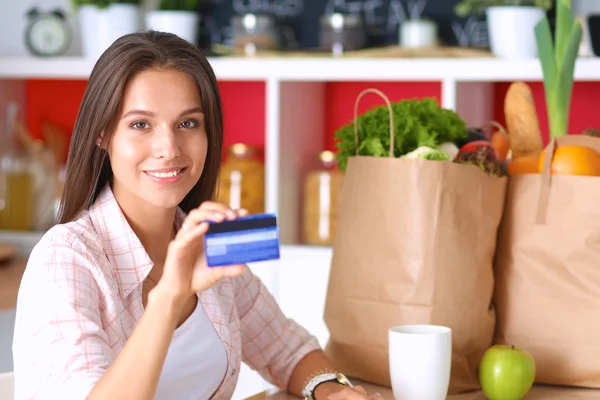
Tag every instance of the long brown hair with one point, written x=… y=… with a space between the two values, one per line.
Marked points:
x=88 y=167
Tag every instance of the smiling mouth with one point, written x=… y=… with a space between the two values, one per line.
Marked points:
x=162 y=175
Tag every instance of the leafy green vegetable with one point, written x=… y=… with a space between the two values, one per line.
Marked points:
x=436 y=155
x=417 y=122
x=557 y=57
x=451 y=149
x=426 y=153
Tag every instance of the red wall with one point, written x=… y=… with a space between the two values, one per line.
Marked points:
x=53 y=101
x=58 y=101
x=243 y=107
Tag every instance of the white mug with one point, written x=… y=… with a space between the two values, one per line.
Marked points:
x=420 y=359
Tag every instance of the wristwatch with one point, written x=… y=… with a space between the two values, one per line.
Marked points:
x=309 y=390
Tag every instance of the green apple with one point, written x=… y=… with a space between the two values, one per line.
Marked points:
x=506 y=372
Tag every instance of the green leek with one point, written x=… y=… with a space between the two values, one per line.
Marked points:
x=557 y=58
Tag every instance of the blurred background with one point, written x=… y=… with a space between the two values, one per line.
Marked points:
x=296 y=22
x=289 y=73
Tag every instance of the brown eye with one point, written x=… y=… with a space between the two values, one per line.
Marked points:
x=189 y=124
x=140 y=125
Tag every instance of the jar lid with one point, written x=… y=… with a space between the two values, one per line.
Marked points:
x=327 y=157
x=242 y=150
x=252 y=21
x=339 y=21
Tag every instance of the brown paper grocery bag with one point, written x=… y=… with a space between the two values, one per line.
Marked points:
x=414 y=245
x=548 y=271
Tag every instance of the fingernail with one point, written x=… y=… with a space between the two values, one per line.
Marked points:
x=184 y=227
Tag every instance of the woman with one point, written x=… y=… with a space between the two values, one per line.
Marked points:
x=117 y=301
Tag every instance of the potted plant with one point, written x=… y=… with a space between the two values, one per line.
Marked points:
x=93 y=26
x=511 y=24
x=125 y=17
x=417 y=31
x=101 y=22
x=179 y=17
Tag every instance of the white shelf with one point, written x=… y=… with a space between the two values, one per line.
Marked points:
x=323 y=69
x=295 y=102
x=295 y=113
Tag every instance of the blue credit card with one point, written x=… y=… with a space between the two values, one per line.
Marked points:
x=244 y=240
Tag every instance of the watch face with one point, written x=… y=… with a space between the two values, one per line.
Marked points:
x=48 y=35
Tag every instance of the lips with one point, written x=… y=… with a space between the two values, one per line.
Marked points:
x=168 y=174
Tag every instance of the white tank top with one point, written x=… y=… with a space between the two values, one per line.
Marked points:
x=196 y=361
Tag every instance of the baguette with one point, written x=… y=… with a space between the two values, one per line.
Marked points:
x=522 y=120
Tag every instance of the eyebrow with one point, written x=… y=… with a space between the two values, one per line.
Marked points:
x=151 y=114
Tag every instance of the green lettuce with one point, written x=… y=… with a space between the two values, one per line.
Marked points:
x=426 y=153
x=417 y=122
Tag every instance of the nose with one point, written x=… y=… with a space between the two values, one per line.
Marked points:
x=165 y=144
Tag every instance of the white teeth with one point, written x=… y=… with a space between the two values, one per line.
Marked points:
x=164 y=174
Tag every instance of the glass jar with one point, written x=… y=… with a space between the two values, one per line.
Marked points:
x=341 y=32
x=45 y=181
x=252 y=32
x=16 y=178
x=322 y=188
x=242 y=179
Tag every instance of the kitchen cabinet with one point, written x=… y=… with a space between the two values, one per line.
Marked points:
x=300 y=103
x=305 y=99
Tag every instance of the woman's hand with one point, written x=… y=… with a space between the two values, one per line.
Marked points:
x=356 y=393
x=185 y=271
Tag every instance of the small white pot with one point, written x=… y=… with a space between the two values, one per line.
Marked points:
x=124 y=19
x=418 y=33
x=181 y=23
x=511 y=30
x=94 y=25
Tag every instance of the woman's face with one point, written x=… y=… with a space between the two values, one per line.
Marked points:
x=158 y=149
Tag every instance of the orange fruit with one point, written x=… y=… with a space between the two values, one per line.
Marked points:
x=523 y=165
x=573 y=160
x=500 y=142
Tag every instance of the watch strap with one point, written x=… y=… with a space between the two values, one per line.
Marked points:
x=320 y=378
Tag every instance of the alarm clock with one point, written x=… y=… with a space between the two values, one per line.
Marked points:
x=48 y=34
